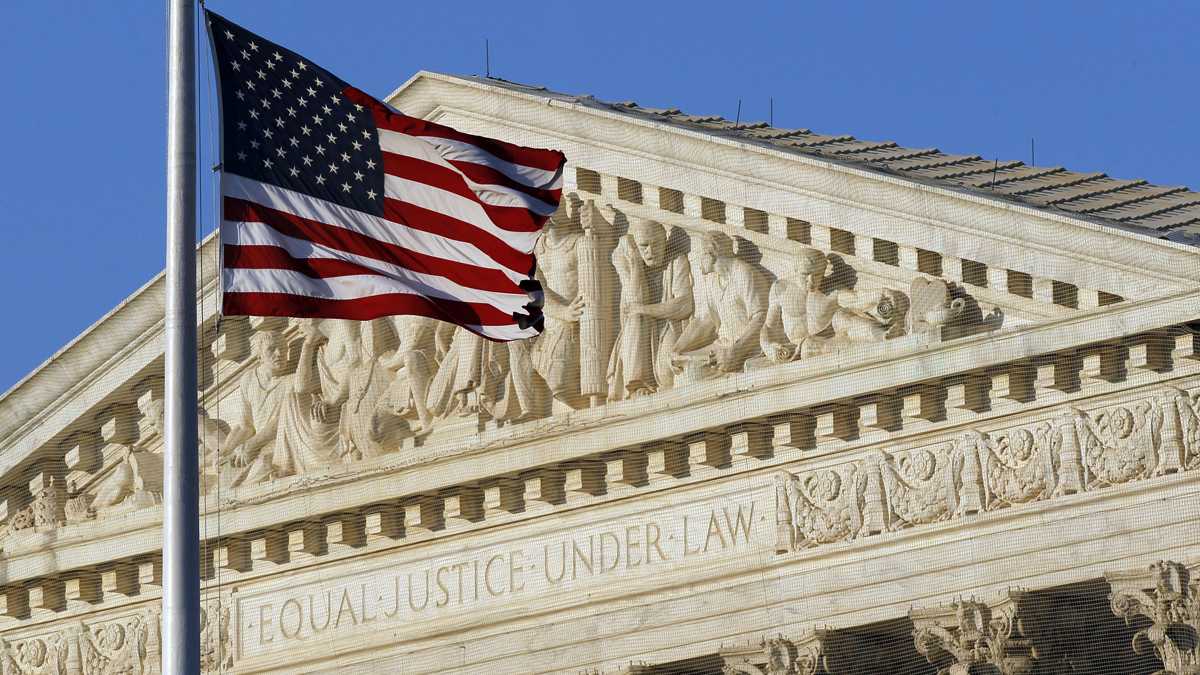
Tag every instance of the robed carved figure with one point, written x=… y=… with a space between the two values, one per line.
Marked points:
x=656 y=302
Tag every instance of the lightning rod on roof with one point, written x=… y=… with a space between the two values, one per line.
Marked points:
x=771 y=111
x=487 y=58
x=738 y=119
x=1032 y=152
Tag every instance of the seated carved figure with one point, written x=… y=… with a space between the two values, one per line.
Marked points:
x=727 y=336
x=284 y=426
x=805 y=318
x=656 y=301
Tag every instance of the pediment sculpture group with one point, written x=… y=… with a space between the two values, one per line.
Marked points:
x=623 y=319
x=631 y=308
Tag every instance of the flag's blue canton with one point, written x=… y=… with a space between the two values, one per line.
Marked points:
x=286 y=122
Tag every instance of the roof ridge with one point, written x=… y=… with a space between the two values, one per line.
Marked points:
x=1011 y=181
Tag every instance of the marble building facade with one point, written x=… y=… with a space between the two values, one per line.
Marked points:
x=803 y=404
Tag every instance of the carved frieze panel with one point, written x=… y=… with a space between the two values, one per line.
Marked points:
x=1073 y=451
x=125 y=646
x=54 y=653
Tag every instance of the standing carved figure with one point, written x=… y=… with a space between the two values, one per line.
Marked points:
x=468 y=381
x=354 y=382
x=413 y=363
x=556 y=356
x=656 y=301
x=722 y=340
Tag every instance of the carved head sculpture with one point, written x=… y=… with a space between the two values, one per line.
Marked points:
x=651 y=240
x=268 y=347
x=33 y=652
x=921 y=464
x=566 y=218
x=714 y=246
x=1122 y=422
x=826 y=485
x=811 y=262
x=1020 y=444
x=111 y=636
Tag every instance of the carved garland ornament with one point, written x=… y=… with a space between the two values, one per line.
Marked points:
x=1074 y=452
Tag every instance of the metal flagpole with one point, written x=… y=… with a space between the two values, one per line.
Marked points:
x=181 y=516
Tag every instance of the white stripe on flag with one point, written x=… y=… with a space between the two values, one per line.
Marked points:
x=490 y=193
x=455 y=206
x=260 y=234
x=381 y=229
x=461 y=151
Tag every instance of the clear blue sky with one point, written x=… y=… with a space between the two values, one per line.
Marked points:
x=1102 y=86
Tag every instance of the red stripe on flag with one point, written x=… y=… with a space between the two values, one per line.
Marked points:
x=511 y=218
x=481 y=173
x=547 y=160
x=434 y=222
x=275 y=258
x=482 y=278
x=363 y=309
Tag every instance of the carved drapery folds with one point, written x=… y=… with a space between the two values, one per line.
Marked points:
x=1167 y=595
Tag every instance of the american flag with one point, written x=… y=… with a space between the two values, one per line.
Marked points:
x=335 y=205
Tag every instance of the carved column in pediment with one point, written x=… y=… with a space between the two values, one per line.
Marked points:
x=597 y=329
x=969 y=636
x=1166 y=594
